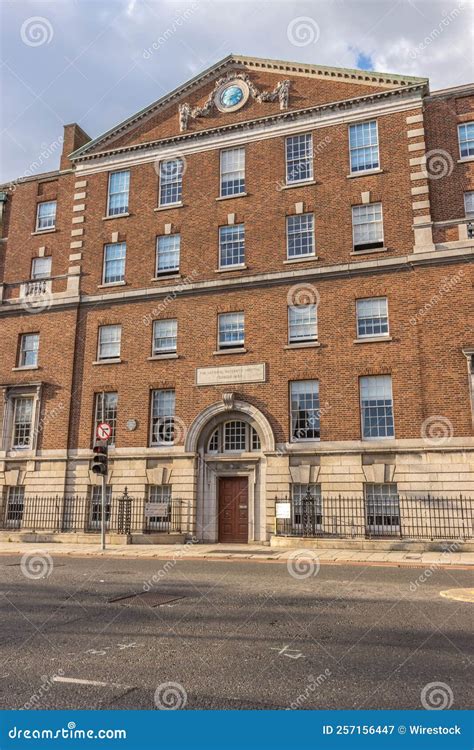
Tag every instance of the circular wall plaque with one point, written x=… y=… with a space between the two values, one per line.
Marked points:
x=131 y=424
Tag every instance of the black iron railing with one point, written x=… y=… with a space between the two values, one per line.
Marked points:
x=357 y=517
x=124 y=514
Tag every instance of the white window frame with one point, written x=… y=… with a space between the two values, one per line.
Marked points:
x=293 y=412
x=465 y=140
x=101 y=343
x=239 y=171
x=469 y=212
x=374 y=378
x=308 y=160
x=103 y=413
x=359 y=304
x=52 y=226
x=16 y=498
x=221 y=345
x=252 y=439
x=298 y=492
x=302 y=308
x=172 y=270
x=39 y=261
x=237 y=244
x=110 y=211
x=173 y=337
x=16 y=399
x=24 y=337
x=289 y=220
x=383 y=500
x=107 y=247
x=165 y=180
x=362 y=247
x=167 y=419
x=357 y=148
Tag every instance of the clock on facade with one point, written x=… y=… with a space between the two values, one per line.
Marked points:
x=231 y=95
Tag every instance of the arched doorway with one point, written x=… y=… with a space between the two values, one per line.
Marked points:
x=230 y=440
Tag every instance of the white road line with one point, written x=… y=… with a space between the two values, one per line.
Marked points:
x=97 y=683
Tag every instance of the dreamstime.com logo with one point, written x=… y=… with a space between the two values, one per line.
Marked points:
x=170 y=696
x=302 y=31
x=436 y=696
x=36 y=31
x=302 y=294
x=437 y=430
x=36 y=565
x=71 y=732
x=302 y=564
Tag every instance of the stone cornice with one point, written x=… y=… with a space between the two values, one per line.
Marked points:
x=343 y=105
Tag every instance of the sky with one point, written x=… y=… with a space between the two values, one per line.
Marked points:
x=96 y=62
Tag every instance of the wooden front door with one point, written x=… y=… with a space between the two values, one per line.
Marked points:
x=233 y=509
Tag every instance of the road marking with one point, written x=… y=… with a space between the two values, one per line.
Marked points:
x=95 y=683
x=459 y=595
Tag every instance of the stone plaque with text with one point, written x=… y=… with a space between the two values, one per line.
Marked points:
x=230 y=374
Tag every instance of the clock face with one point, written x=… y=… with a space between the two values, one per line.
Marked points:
x=231 y=96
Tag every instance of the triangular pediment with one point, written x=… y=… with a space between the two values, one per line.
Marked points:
x=242 y=89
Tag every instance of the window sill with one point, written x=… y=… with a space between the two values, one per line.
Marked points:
x=168 y=355
x=228 y=197
x=303 y=345
x=236 y=350
x=25 y=367
x=372 y=339
x=301 y=260
x=305 y=441
x=465 y=159
x=378 y=439
x=169 y=205
x=111 y=283
x=364 y=173
x=165 y=276
x=368 y=252
x=303 y=183
x=237 y=267
x=116 y=216
x=43 y=231
x=114 y=361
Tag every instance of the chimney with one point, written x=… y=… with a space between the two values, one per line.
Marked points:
x=74 y=138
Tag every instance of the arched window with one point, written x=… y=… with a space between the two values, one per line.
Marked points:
x=234 y=436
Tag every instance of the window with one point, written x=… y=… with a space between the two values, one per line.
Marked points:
x=167 y=254
x=22 y=422
x=232 y=171
x=109 y=342
x=302 y=325
x=29 y=345
x=105 y=410
x=300 y=235
x=299 y=158
x=15 y=507
x=46 y=216
x=231 y=245
x=376 y=405
x=95 y=520
x=382 y=508
x=159 y=495
x=171 y=181
x=364 y=146
x=41 y=268
x=164 y=336
x=466 y=139
x=234 y=436
x=304 y=410
x=114 y=262
x=119 y=183
x=306 y=511
x=162 y=419
x=469 y=204
x=367 y=226
x=231 y=330
x=372 y=317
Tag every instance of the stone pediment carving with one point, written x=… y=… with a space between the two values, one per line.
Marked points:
x=281 y=93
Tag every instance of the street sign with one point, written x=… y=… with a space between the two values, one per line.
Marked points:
x=104 y=431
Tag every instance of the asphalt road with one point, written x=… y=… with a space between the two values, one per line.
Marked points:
x=236 y=635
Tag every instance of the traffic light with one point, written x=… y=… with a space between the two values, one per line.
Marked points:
x=99 y=462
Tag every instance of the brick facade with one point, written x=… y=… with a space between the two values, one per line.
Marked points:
x=424 y=270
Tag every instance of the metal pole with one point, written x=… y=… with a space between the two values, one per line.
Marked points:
x=104 y=492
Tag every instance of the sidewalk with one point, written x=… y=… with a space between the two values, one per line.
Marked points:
x=252 y=552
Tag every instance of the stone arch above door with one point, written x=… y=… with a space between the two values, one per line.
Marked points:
x=230 y=406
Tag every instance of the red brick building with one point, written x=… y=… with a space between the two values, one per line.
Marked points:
x=264 y=282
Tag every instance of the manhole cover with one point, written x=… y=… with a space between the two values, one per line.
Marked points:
x=145 y=599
